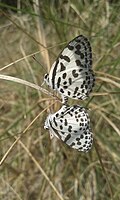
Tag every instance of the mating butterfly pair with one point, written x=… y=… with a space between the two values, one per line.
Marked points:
x=72 y=76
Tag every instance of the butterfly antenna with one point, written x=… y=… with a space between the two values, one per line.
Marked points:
x=39 y=63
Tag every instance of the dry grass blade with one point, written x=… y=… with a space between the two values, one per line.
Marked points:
x=18 y=60
x=42 y=171
x=107 y=75
x=103 y=93
x=31 y=156
x=110 y=122
x=16 y=195
x=41 y=35
x=104 y=170
x=21 y=81
x=25 y=130
x=109 y=81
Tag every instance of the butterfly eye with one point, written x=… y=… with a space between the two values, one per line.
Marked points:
x=46 y=127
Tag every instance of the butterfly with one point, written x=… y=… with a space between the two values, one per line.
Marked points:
x=71 y=124
x=71 y=74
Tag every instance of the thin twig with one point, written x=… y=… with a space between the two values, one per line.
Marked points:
x=42 y=171
x=18 y=138
x=24 y=82
x=108 y=80
x=104 y=170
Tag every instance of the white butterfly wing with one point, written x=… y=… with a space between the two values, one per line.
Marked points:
x=71 y=73
x=72 y=127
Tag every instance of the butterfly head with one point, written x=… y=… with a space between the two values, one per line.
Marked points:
x=46 y=79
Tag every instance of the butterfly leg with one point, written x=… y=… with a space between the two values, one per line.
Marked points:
x=64 y=100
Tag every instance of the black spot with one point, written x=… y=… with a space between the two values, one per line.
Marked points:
x=81 y=55
x=81 y=137
x=72 y=110
x=82 y=91
x=74 y=73
x=76 y=89
x=61 y=127
x=65 y=86
x=75 y=131
x=65 y=82
x=74 y=96
x=67 y=137
x=58 y=82
x=70 y=47
x=83 y=43
x=78 y=47
x=78 y=94
x=70 y=81
x=86 y=40
x=84 y=82
x=61 y=90
x=70 y=114
x=78 y=52
x=62 y=67
x=69 y=93
x=78 y=40
x=65 y=123
x=78 y=143
x=80 y=70
x=66 y=58
x=76 y=112
x=88 y=82
x=64 y=75
x=61 y=120
x=86 y=60
x=82 y=86
x=72 y=144
x=78 y=63
x=70 y=128
x=62 y=113
x=57 y=114
x=80 y=148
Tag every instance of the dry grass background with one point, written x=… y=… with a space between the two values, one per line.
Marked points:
x=33 y=166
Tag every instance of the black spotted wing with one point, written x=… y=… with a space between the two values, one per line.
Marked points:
x=72 y=126
x=72 y=74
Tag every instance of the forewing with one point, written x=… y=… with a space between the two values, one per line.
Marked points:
x=71 y=74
